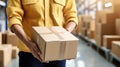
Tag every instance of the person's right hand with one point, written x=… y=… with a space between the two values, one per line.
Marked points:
x=35 y=50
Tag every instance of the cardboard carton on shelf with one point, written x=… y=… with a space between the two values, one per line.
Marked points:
x=12 y=39
x=5 y=55
x=116 y=48
x=103 y=29
x=15 y=51
x=55 y=43
x=107 y=40
x=117 y=26
x=106 y=16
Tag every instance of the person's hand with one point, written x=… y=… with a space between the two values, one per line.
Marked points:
x=70 y=26
x=34 y=50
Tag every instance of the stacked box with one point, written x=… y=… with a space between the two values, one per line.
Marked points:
x=91 y=30
x=103 y=29
x=107 y=39
x=117 y=26
x=12 y=39
x=4 y=38
x=105 y=16
x=91 y=34
x=15 y=51
x=5 y=55
x=84 y=31
x=115 y=6
x=55 y=43
x=116 y=48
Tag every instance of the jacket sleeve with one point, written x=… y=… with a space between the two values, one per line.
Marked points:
x=70 y=12
x=14 y=12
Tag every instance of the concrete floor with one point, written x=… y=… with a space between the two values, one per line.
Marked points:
x=86 y=57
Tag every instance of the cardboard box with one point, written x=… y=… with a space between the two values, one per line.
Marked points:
x=91 y=34
x=116 y=48
x=12 y=39
x=103 y=29
x=117 y=26
x=115 y=6
x=84 y=31
x=105 y=16
x=86 y=18
x=5 y=55
x=4 y=38
x=99 y=39
x=92 y=25
x=15 y=51
x=55 y=43
x=107 y=40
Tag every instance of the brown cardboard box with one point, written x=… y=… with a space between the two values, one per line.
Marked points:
x=99 y=39
x=105 y=16
x=92 y=25
x=15 y=51
x=55 y=43
x=103 y=29
x=5 y=55
x=86 y=18
x=107 y=40
x=4 y=37
x=116 y=48
x=12 y=39
x=115 y=6
x=91 y=34
x=117 y=26
x=84 y=31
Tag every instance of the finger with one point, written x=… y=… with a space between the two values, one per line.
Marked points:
x=38 y=49
x=37 y=55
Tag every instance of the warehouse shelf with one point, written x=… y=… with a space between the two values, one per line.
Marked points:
x=112 y=56
x=109 y=56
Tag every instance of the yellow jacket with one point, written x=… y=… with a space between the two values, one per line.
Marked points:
x=28 y=13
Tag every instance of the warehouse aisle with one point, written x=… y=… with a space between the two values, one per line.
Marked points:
x=86 y=57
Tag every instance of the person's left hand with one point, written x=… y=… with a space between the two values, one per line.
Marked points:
x=70 y=26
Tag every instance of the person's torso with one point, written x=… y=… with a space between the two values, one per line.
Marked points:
x=41 y=13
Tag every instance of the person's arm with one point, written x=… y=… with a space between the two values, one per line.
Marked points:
x=15 y=13
x=70 y=26
x=70 y=15
x=18 y=30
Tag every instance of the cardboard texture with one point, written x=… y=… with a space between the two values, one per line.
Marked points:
x=115 y=6
x=5 y=55
x=84 y=31
x=15 y=51
x=12 y=39
x=86 y=18
x=92 y=25
x=107 y=40
x=4 y=38
x=103 y=29
x=105 y=16
x=55 y=43
x=117 y=26
x=116 y=48
x=91 y=34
